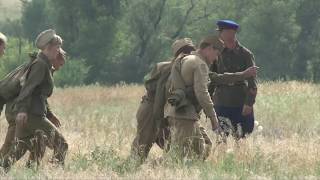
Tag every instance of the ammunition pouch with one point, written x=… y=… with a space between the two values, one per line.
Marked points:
x=180 y=98
x=177 y=98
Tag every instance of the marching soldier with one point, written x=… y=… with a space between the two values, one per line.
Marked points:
x=9 y=81
x=31 y=105
x=189 y=95
x=151 y=125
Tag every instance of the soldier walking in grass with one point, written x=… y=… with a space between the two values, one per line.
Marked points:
x=235 y=100
x=30 y=107
x=9 y=89
x=189 y=95
x=151 y=125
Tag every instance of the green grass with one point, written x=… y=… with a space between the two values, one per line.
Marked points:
x=99 y=125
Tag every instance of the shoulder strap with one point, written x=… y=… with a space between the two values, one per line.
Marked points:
x=179 y=83
x=26 y=71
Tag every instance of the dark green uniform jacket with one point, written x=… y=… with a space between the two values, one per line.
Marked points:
x=38 y=86
x=239 y=93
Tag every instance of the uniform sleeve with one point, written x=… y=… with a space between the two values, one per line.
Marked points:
x=226 y=78
x=252 y=83
x=150 y=81
x=35 y=77
x=212 y=85
x=201 y=80
x=49 y=112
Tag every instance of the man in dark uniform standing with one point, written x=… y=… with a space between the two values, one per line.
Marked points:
x=235 y=100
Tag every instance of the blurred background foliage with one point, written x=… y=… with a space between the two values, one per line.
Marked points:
x=111 y=41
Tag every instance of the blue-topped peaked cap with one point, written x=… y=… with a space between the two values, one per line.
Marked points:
x=227 y=24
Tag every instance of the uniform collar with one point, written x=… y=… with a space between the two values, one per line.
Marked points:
x=235 y=49
x=44 y=58
x=196 y=53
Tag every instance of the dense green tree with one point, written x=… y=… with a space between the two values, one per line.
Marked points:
x=270 y=31
x=119 y=40
x=88 y=28
x=307 y=53
x=12 y=58
x=34 y=17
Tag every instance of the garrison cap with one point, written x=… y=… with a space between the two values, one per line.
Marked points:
x=44 y=38
x=214 y=41
x=227 y=24
x=180 y=43
x=3 y=38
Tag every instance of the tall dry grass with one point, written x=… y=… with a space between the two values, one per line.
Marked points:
x=99 y=124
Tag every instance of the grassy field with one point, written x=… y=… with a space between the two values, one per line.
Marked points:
x=99 y=125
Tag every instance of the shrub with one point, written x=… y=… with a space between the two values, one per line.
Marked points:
x=73 y=73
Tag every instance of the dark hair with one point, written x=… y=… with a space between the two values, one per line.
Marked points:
x=204 y=45
x=185 y=50
x=1 y=42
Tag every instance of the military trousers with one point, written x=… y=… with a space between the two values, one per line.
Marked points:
x=147 y=131
x=189 y=139
x=25 y=138
x=9 y=139
x=245 y=123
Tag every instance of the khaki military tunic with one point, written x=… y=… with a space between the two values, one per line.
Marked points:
x=195 y=74
x=151 y=125
x=188 y=137
x=9 y=90
x=38 y=86
x=187 y=133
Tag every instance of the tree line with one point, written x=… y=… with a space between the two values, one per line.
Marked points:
x=109 y=41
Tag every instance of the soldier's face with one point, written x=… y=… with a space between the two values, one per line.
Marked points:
x=53 y=51
x=58 y=62
x=2 y=48
x=228 y=34
x=212 y=54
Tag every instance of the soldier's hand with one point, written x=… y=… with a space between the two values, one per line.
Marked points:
x=251 y=71
x=55 y=121
x=21 y=119
x=247 y=110
x=218 y=131
x=214 y=124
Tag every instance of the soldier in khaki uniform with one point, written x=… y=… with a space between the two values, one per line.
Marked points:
x=9 y=101
x=189 y=95
x=31 y=104
x=151 y=125
x=235 y=100
x=3 y=43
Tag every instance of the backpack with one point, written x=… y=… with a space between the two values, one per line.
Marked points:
x=11 y=84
